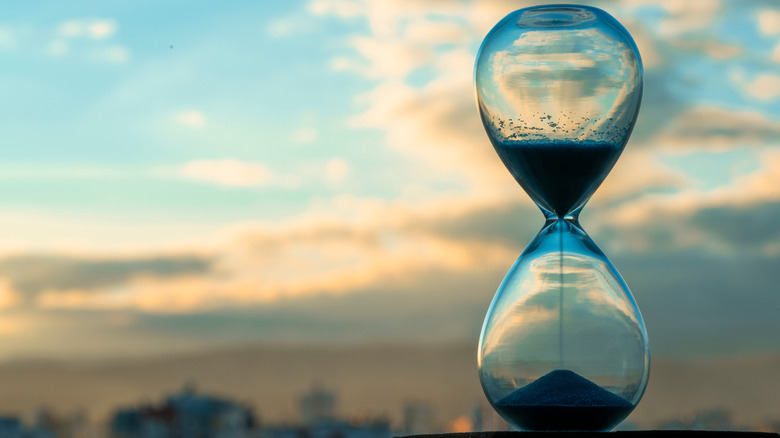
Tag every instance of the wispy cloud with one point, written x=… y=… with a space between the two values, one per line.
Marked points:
x=342 y=8
x=261 y=264
x=441 y=260
x=111 y=54
x=227 y=172
x=763 y=87
x=304 y=134
x=58 y=47
x=9 y=297
x=684 y=17
x=88 y=38
x=91 y=28
x=283 y=27
x=769 y=21
x=192 y=118
x=8 y=39
x=713 y=128
x=336 y=170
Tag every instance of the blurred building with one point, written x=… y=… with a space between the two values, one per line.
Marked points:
x=12 y=427
x=419 y=418
x=716 y=419
x=47 y=424
x=486 y=419
x=319 y=419
x=185 y=415
x=318 y=406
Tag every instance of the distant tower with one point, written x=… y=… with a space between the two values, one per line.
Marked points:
x=418 y=418
x=318 y=405
x=190 y=387
x=487 y=419
x=478 y=419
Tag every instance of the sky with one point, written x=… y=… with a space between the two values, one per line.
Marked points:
x=178 y=176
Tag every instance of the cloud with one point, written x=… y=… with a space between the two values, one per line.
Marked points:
x=373 y=243
x=58 y=47
x=280 y=28
x=336 y=170
x=769 y=21
x=406 y=270
x=27 y=275
x=179 y=295
x=712 y=48
x=8 y=39
x=192 y=118
x=227 y=172
x=345 y=247
x=427 y=275
x=685 y=16
x=341 y=8
x=95 y=28
x=9 y=297
x=762 y=185
x=511 y=224
x=434 y=122
x=111 y=54
x=14 y=326
x=763 y=87
x=296 y=24
x=343 y=63
x=441 y=116
x=247 y=276
x=713 y=128
x=426 y=265
x=114 y=54
x=434 y=33
x=389 y=57
x=699 y=302
x=94 y=33
x=305 y=134
x=651 y=55
x=636 y=172
x=694 y=219
x=744 y=227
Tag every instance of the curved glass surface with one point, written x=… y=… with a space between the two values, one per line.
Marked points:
x=563 y=345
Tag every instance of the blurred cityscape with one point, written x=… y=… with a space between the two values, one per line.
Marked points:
x=192 y=414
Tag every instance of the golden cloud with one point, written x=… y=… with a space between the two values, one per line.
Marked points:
x=319 y=253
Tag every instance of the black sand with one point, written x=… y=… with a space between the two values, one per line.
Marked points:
x=559 y=176
x=564 y=400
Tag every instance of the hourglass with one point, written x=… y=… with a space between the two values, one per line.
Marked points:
x=563 y=345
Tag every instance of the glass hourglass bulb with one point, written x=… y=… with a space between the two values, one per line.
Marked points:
x=563 y=345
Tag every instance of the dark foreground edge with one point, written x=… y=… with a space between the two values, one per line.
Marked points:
x=621 y=434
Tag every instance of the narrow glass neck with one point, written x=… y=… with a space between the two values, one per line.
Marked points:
x=572 y=217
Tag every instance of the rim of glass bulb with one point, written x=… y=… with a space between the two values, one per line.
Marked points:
x=560 y=16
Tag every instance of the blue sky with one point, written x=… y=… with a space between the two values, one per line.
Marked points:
x=184 y=175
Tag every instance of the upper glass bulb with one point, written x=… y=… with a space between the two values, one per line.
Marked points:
x=559 y=77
